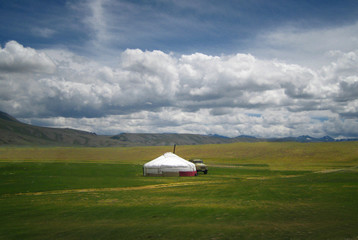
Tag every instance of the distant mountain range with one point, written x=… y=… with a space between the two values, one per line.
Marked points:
x=16 y=133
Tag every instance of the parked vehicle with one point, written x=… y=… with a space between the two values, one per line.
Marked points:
x=200 y=165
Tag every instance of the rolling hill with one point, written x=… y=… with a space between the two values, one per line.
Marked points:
x=160 y=139
x=16 y=133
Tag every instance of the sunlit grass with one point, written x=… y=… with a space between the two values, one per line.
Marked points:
x=298 y=156
x=252 y=191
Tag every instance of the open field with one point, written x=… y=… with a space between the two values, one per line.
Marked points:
x=252 y=191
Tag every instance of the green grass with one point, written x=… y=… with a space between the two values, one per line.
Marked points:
x=252 y=191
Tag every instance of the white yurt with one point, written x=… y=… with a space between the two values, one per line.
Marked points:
x=169 y=164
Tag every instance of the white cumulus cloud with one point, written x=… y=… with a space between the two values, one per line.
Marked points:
x=16 y=58
x=154 y=91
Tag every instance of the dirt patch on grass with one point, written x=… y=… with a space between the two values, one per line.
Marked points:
x=224 y=166
x=337 y=169
x=91 y=190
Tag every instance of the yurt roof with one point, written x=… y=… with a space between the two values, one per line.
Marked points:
x=169 y=160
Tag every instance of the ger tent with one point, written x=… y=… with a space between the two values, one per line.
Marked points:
x=169 y=164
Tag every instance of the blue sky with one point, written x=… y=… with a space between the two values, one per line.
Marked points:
x=210 y=27
x=263 y=68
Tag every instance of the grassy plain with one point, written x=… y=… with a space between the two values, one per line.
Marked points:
x=252 y=191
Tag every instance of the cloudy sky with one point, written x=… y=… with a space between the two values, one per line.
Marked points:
x=263 y=68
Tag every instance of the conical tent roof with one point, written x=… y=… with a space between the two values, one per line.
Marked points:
x=169 y=159
x=169 y=163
